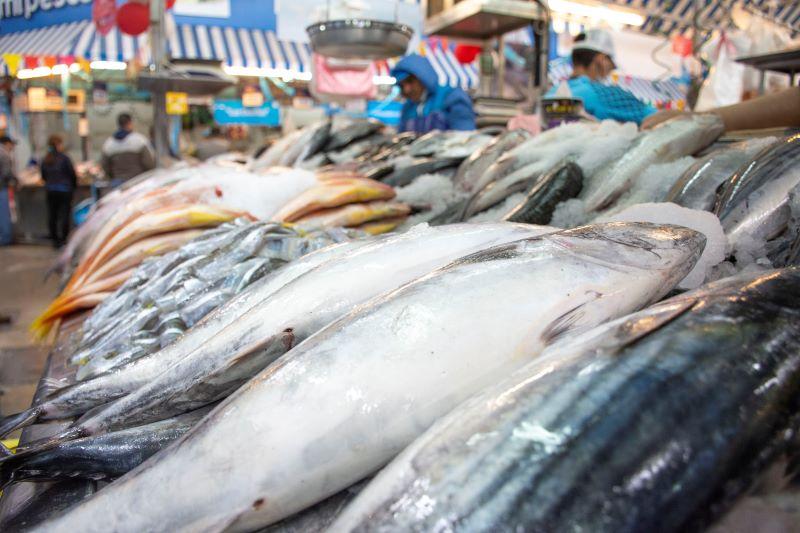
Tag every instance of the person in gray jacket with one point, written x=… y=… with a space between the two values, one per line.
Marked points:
x=126 y=153
x=7 y=181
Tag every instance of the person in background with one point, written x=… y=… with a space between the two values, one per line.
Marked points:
x=60 y=183
x=126 y=153
x=7 y=180
x=779 y=110
x=430 y=106
x=213 y=144
x=592 y=63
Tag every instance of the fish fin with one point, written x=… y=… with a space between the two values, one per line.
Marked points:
x=20 y=420
x=562 y=324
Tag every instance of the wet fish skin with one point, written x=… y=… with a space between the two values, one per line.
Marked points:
x=669 y=140
x=770 y=162
x=402 y=176
x=596 y=434
x=497 y=191
x=102 y=457
x=697 y=188
x=317 y=141
x=350 y=133
x=291 y=314
x=765 y=213
x=375 y=379
x=561 y=183
x=80 y=397
x=472 y=168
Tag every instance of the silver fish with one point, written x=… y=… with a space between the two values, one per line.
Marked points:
x=351 y=133
x=348 y=399
x=477 y=164
x=755 y=204
x=561 y=183
x=670 y=140
x=696 y=393
x=697 y=188
x=102 y=457
x=80 y=397
x=305 y=305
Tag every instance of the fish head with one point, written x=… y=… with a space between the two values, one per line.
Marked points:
x=639 y=245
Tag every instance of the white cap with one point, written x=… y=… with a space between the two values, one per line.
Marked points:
x=597 y=41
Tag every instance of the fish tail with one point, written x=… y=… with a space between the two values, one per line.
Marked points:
x=47 y=443
x=20 y=420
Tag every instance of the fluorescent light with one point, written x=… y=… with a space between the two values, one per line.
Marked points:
x=108 y=65
x=284 y=74
x=75 y=67
x=597 y=12
x=60 y=69
x=384 y=80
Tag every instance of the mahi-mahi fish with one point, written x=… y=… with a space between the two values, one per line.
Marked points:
x=343 y=403
x=654 y=422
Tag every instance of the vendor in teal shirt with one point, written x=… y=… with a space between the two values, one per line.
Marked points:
x=592 y=62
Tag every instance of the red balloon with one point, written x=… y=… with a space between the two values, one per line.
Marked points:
x=133 y=18
x=466 y=53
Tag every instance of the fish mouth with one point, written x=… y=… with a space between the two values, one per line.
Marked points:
x=654 y=246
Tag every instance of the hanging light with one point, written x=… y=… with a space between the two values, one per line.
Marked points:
x=597 y=12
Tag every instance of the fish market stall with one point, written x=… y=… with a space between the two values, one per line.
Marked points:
x=506 y=331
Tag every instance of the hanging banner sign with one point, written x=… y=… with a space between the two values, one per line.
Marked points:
x=177 y=103
x=104 y=15
x=234 y=112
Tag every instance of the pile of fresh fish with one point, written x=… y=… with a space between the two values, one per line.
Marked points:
x=167 y=295
x=699 y=392
x=261 y=369
x=341 y=386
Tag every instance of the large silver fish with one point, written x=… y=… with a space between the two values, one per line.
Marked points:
x=348 y=399
x=670 y=140
x=650 y=423
x=80 y=397
x=299 y=309
x=697 y=188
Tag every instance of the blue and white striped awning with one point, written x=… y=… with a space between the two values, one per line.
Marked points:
x=235 y=47
x=52 y=40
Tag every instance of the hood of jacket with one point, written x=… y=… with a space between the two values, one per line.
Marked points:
x=420 y=68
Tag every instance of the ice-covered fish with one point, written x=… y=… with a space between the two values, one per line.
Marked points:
x=404 y=174
x=80 y=397
x=697 y=187
x=348 y=399
x=472 y=168
x=698 y=392
x=561 y=183
x=352 y=132
x=670 y=140
x=291 y=314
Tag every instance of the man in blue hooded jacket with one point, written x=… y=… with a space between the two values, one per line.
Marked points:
x=430 y=106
